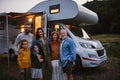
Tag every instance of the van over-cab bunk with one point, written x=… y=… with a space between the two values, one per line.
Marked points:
x=66 y=11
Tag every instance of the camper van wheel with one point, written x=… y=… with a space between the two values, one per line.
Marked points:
x=78 y=64
x=11 y=55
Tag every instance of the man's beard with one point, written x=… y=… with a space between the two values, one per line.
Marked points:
x=27 y=31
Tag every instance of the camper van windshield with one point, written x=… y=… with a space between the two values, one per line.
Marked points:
x=77 y=31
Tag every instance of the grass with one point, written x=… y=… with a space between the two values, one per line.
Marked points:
x=111 y=43
x=4 y=73
x=108 y=38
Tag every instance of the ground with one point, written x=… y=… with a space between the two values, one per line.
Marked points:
x=109 y=70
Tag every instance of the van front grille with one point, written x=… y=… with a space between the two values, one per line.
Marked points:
x=100 y=52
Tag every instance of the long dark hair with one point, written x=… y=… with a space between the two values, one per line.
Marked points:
x=37 y=35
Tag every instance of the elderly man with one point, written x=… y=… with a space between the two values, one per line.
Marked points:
x=67 y=54
x=24 y=35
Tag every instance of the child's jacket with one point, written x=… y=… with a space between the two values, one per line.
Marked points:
x=24 y=58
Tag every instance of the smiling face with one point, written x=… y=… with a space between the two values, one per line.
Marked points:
x=40 y=33
x=63 y=34
x=24 y=44
x=36 y=48
x=27 y=28
x=54 y=36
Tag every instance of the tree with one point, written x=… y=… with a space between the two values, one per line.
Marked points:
x=108 y=12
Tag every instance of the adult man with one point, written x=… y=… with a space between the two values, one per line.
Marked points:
x=24 y=35
x=67 y=54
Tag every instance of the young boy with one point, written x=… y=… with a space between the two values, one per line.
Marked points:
x=24 y=58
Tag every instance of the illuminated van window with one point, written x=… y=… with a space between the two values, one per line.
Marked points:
x=54 y=9
x=57 y=27
x=68 y=26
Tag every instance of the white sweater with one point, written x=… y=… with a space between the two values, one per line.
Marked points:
x=21 y=36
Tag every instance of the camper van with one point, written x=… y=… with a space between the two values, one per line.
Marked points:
x=53 y=15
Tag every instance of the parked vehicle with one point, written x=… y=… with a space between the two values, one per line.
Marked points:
x=90 y=52
x=52 y=15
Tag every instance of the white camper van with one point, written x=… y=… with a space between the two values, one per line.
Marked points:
x=52 y=15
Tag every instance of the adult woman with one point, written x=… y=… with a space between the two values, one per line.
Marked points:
x=57 y=73
x=44 y=43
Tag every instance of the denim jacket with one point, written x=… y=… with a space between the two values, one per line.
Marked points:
x=67 y=51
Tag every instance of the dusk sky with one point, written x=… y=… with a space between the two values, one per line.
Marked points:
x=23 y=5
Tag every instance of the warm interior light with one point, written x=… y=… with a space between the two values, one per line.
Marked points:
x=68 y=26
x=22 y=28
x=57 y=27
x=54 y=11
x=38 y=22
x=30 y=18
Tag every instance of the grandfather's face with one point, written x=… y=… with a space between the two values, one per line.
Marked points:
x=63 y=34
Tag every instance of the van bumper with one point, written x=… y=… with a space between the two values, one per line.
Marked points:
x=93 y=58
x=93 y=62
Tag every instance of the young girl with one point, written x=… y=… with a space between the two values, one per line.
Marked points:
x=37 y=59
x=24 y=58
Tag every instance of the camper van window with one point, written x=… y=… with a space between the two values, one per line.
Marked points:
x=54 y=9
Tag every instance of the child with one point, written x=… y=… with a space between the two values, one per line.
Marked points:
x=24 y=58
x=37 y=59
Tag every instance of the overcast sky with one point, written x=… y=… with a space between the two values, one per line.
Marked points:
x=23 y=5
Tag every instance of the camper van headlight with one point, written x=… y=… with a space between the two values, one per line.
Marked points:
x=86 y=45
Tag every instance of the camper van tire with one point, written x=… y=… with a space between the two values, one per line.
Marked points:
x=12 y=55
x=78 y=64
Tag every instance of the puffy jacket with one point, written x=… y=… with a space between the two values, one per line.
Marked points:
x=24 y=58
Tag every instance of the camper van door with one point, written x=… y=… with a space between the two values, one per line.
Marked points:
x=41 y=21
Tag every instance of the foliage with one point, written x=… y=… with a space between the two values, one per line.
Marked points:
x=113 y=49
x=108 y=13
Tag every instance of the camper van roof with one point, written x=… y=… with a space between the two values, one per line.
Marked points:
x=66 y=11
